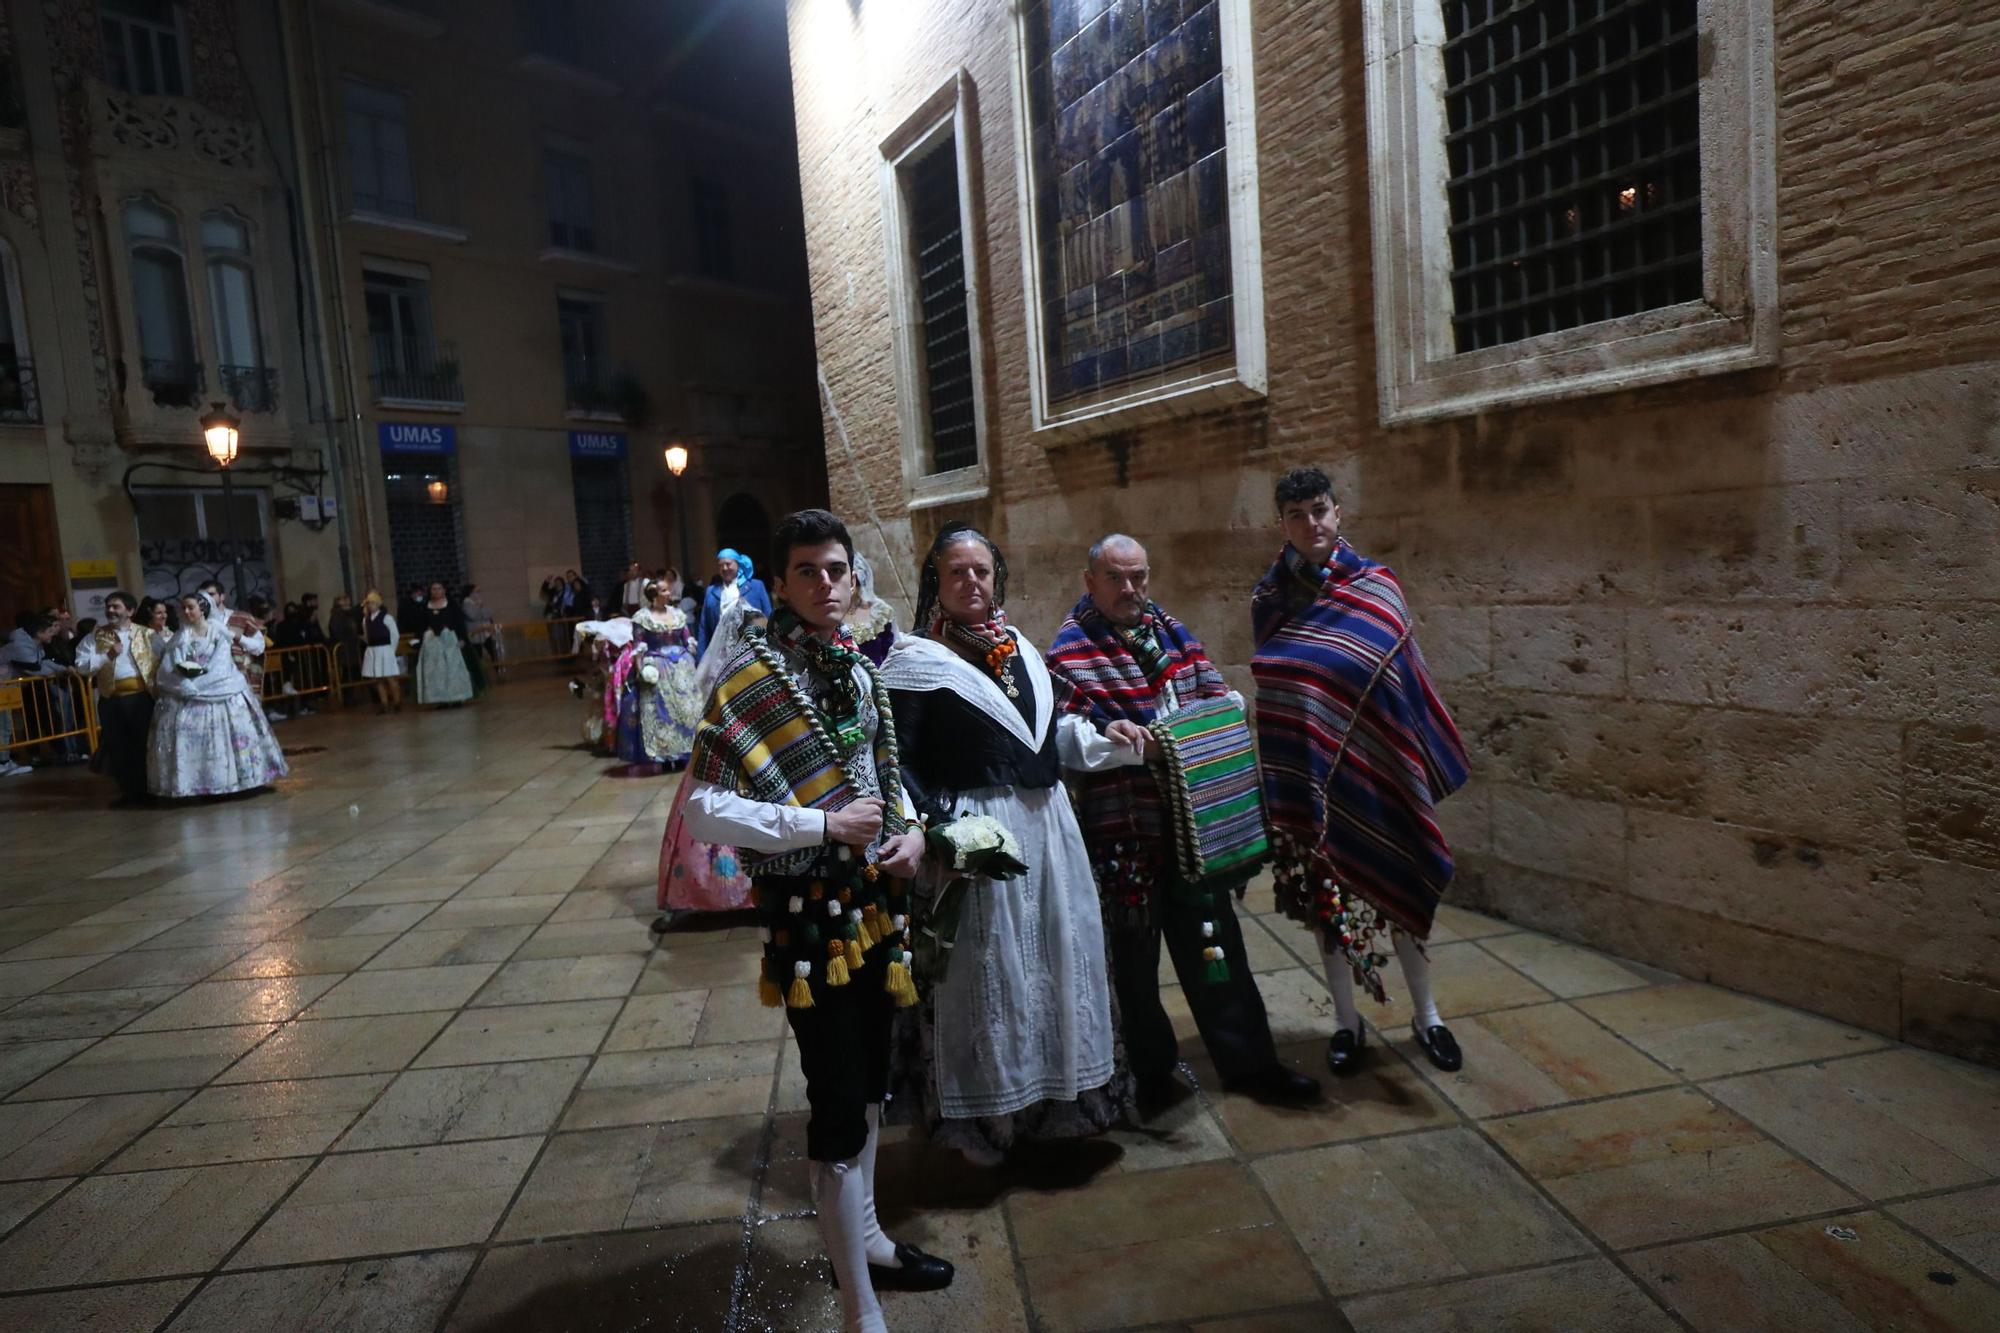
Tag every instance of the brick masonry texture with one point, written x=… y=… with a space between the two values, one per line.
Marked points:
x=1727 y=652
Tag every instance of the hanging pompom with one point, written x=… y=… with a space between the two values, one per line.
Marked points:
x=833 y=907
x=863 y=921
x=836 y=970
x=1208 y=930
x=853 y=955
x=1218 y=968
x=767 y=988
x=796 y=905
x=901 y=986
x=801 y=996
x=764 y=934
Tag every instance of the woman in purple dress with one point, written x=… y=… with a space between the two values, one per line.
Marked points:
x=653 y=681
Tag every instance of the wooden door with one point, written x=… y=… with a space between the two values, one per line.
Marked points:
x=31 y=568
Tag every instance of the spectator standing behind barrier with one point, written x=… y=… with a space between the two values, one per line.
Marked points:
x=480 y=631
x=26 y=656
x=379 y=663
x=62 y=645
x=343 y=632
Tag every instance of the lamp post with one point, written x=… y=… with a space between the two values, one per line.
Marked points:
x=677 y=463
x=220 y=432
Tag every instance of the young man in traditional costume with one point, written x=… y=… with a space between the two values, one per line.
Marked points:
x=1130 y=661
x=796 y=765
x=1357 y=750
x=119 y=655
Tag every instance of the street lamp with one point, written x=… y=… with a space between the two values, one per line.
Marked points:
x=677 y=463
x=220 y=431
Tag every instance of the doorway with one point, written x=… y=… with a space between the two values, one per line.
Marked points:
x=743 y=525
x=31 y=568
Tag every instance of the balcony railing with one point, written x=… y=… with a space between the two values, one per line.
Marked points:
x=250 y=388
x=414 y=370
x=173 y=382
x=19 y=402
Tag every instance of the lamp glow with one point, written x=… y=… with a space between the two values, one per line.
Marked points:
x=677 y=459
x=219 y=431
x=438 y=490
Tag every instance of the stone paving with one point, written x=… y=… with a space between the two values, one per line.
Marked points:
x=393 y=1048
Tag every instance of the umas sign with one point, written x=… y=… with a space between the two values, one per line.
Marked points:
x=596 y=444
x=404 y=437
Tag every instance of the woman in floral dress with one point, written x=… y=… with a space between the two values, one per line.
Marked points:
x=653 y=681
x=208 y=736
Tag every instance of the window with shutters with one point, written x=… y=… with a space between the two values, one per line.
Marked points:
x=932 y=256
x=378 y=151
x=142 y=47
x=1569 y=196
x=572 y=217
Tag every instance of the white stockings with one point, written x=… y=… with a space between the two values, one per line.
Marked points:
x=881 y=1250
x=1340 y=980
x=1416 y=975
x=840 y=1194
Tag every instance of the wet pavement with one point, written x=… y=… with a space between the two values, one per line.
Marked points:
x=393 y=1048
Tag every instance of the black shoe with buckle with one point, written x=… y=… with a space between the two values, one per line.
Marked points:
x=1440 y=1046
x=1343 y=1053
x=915 y=1271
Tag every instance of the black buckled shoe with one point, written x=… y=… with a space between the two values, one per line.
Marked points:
x=1277 y=1086
x=917 y=1271
x=1440 y=1046
x=1343 y=1053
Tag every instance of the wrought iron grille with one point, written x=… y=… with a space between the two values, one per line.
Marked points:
x=19 y=401
x=172 y=381
x=250 y=388
x=414 y=369
x=939 y=245
x=1575 y=162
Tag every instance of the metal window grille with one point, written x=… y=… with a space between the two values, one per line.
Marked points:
x=938 y=243
x=1573 y=141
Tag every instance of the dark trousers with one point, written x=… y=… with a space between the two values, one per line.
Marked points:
x=125 y=721
x=1229 y=1014
x=844 y=1050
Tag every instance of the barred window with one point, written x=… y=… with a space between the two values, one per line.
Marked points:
x=937 y=246
x=1574 y=152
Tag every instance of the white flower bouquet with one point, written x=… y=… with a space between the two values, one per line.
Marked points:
x=650 y=674
x=973 y=847
x=979 y=847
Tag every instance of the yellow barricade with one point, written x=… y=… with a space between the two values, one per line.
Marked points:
x=35 y=710
x=525 y=641
x=307 y=670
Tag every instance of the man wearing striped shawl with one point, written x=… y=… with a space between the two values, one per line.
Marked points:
x=1357 y=750
x=1130 y=660
x=795 y=764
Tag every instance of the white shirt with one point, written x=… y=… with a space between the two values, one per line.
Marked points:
x=90 y=661
x=634 y=590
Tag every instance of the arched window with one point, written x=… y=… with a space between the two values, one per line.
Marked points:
x=232 y=302
x=160 y=305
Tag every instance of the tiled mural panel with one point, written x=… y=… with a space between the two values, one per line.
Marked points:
x=1130 y=191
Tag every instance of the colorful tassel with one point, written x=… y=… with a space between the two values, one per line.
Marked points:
x=836 y=971
x=859 y=920
x=767 y=989
x=854 y=958
x=1218 y=969
x=801 y=996
x=901 y=986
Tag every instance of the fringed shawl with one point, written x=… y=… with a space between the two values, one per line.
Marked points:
x=762 y=739
x=1338 y=664
x=1110 y=684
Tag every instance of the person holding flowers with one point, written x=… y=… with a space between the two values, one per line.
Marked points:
x=796 y=765
x=1016 y=1038
x=654 y=684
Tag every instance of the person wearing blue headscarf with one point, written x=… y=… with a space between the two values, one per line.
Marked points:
x=733 y=583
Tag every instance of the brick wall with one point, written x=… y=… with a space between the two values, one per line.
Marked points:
x=1726 y=652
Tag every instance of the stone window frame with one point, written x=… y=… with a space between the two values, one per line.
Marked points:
x=1420 y=375
x=947 y=112
x=1248 y=377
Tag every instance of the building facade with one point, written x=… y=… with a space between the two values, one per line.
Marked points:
x=549 y=264
x=463 y=271
x=1654 y=346
x=150 y=273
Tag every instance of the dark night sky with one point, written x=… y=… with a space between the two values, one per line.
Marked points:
x=724 y=57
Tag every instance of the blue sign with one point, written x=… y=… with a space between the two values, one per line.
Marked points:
x=405 y=437
x=596 y=444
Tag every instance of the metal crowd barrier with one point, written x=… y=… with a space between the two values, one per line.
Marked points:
x=308 y=669
x=520 y=642
x=38 y=710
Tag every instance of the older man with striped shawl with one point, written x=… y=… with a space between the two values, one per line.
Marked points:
x=796 y=765
x=1357 y=750
x=1129 y=660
